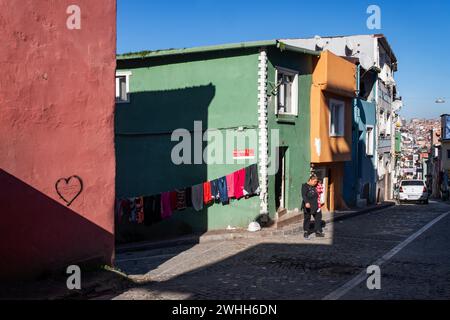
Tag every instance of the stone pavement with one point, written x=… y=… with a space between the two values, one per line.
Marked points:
x=222 y=235
x=290 y=267
x=278 y=266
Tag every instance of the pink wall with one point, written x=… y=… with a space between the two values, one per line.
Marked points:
x=56 y=120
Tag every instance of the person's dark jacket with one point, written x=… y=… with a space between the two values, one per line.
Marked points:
x=310 y=195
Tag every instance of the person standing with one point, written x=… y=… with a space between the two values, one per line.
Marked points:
x=310 y=207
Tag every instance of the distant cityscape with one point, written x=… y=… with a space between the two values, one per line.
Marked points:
x=422 y=151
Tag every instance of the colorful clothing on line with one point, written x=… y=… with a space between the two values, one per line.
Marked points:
x=215 y=190
x=188 y=197
x=207 y=196
x=239 y=181
x=197 y=197
x=230 y=185
x=251 y=185
x=133 y=213
x=166 y=208
x=139 y=201
x=181 y=199
x=223 y=190
x=152 y=210
x=173 y=200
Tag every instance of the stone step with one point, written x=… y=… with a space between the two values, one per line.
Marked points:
x=281 y=213
x=291 y=218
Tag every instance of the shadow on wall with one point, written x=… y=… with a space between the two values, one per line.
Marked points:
x=39 y=236
x=143 y=130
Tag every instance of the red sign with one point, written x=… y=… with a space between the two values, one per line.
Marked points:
x=244 y=154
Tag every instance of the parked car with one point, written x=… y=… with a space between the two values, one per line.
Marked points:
x=413 y=190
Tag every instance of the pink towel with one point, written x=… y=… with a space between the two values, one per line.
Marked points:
x=230 y=185
x=166 y=208
x=239 y=181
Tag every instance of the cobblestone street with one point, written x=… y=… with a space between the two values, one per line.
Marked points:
x=290 y=267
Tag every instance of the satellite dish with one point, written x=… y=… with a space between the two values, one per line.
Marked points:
x=320 y=43
x=365 y=61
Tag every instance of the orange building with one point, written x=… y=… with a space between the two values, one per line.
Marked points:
x=332 y=93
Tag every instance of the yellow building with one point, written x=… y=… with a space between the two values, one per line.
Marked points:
x=332 y=93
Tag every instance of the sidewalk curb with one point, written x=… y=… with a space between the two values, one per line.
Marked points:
x=241 y=234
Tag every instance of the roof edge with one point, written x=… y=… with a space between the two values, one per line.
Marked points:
x=232 y=46
x=171 y=52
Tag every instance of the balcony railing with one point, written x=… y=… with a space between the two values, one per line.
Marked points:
x=384 y=145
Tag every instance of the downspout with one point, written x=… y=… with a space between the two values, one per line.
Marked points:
x=263 y=132
x=357 y=115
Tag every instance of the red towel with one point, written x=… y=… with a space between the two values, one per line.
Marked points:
x=239 y=181
x=173 y=200
x=207 y=197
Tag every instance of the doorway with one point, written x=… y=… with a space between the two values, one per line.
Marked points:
x=280 y=179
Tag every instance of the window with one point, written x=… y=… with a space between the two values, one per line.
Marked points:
x=123 y=87
x=369 y=141
x=388 y=124
x=448 y=154
x=412 y=183
x=337 y=114
x=287 y=97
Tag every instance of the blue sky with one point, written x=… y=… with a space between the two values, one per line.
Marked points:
x=418 y=32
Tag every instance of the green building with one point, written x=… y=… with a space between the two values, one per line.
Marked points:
x=228 y=95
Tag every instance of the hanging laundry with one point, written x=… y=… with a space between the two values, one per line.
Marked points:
x=152 y=210
x=122 y=209
x=166 y=208
x=215 y=190
x=197 y=197
x=181 y=199
x=207 y=197
x=251 y=186
x=139 y=210
x=133 y=213
x=230 y=185
x=223 y=190
x=239 y=181
x=188 y=197
x=173 y=200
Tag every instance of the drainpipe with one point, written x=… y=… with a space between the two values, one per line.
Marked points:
x=358 y=119
x=263 y=132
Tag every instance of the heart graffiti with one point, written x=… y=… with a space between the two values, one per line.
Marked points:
x=69 y=189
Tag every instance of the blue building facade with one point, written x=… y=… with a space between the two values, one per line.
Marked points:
x=360 y=173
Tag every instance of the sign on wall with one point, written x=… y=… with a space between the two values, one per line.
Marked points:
x=244 y=154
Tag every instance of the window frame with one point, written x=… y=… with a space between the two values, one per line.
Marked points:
x=127 y=75
x=370 y=140
x=294 y=91
x=342 y=103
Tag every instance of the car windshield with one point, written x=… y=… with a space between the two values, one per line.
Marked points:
x=412 y=183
